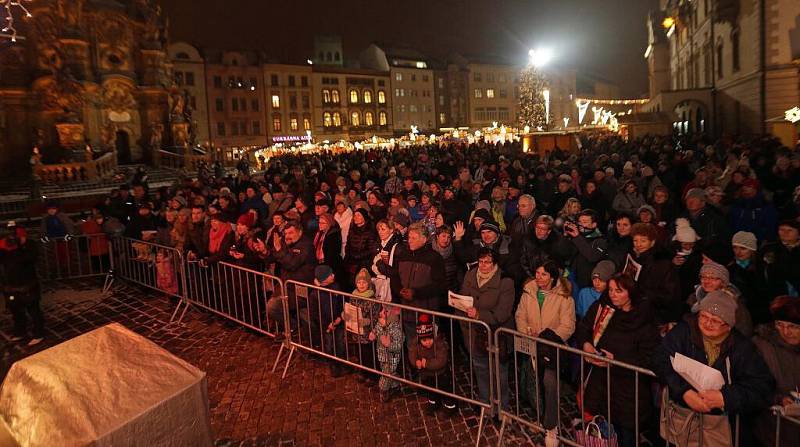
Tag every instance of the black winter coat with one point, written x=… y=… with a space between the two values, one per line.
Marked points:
x=752 y=384
x=658 y=282
x=362 y=246
x=536 y=252
x=422 y=271
x=631 y=337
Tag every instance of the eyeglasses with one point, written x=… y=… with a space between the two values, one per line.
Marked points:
x=711 y=321
x=787 y=326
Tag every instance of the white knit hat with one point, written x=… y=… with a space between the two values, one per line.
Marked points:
x=684 y=232
x=745 y=239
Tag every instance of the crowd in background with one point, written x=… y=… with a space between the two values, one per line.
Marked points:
x=635 y=250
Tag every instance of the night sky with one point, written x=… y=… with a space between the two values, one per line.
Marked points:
x=604 y=37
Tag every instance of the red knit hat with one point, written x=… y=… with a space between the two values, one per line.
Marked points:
x=247 y=219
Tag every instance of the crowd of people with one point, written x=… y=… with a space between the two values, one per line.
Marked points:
x=632 y=250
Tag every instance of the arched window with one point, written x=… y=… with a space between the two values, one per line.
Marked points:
x=326 y=119
x=381 y=97
x=293 y=123
x=328 y=57
x=367 y=96
x=355 y=119
x=368 y=121
x=353 y=96
x=307 y=121
x=335 y=96
x=336 y=56
x=326 y=96
x=276 y=122
x=382 y=118
x=337 y=119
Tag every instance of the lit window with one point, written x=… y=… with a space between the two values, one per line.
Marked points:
x=326 y=96
x=382 y=118
x=381 y=97
x=326 y=119
x=335 y=96
x=307 y=122
x=276 y=123
x=353 y=96
x=293 y=123
x=412 y=108
x=478 y=93
x=355 y=119
x=368 y=121
x=490 y=93
x=337 y=119
x=442 y=118
x=441 y=82
x=276 y=102
x=398 y=76
x=367 y=97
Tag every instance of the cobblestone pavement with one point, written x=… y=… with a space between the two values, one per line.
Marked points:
x=250 y=405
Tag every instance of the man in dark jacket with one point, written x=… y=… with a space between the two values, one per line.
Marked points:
x=20 y=284
x=522 y=225
x=295 y=256
x=197 y=237
x=490 y=237
x=709 y=224
x=783 y=260
x=590 y=245
x=452 y=208
x=417 y=275
x=543 y=245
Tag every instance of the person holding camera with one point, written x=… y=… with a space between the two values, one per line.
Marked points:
x=20 y=284
x=591 y=247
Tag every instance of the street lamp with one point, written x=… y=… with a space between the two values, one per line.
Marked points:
x=540 y=57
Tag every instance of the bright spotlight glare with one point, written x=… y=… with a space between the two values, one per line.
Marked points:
x=540 y=57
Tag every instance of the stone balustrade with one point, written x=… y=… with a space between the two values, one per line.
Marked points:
x=99 y=168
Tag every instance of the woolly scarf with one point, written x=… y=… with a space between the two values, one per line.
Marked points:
x=484 y=278
x=215 y=238
x=445 y=252
x=712 y=347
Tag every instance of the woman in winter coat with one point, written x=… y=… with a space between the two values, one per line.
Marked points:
x=709 y=337
x=328 y=244
x=547 y=309
x=362 y=244
x=779 y=344
x=658 y=277
x=619 y=240
x=630 y=336
x=714 y=277
x=629 y=200
x=493 y=304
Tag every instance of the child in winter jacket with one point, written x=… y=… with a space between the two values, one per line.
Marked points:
x=369 y=311
x=428 y=354
x=166 y=279
x=389 y=335
x=602 y=272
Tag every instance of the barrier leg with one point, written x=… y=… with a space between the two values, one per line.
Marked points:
x=502 y=431
x=288 y=361
x=480 y=427
x=278 y=358
x=108 y=282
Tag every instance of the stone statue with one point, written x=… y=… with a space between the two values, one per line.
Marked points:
x=156 y=131
x=109 y=136
x=177 y=106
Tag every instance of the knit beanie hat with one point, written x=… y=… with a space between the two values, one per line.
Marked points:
x=402 y=219
x=322 y=272
x=745 y=239
x=424 y=326
x=247 y=219
x=483 y=204
x=491 y=226
x=696 y=193
x=717 y=271
x=363 y=275
x=647 y=208
x=483 y=214
x=604 y=270
x=786 y=308
x=684 y=231
x=719 y=304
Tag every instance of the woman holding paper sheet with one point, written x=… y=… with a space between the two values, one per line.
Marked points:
x=493 y=303
x=710 y=338
x=620 y=326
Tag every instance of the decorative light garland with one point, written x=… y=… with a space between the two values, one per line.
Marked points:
x=9 y=30
x=793 y=115
x=613 y=102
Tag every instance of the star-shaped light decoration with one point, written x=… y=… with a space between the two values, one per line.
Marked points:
x=793 y=115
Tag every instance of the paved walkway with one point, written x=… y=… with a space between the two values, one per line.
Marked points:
x=251 y=406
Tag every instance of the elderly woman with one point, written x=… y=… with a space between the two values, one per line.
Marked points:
x=779 y=344
x=709 y=337
x=630 y=336
x=493 y=296
x=547 y=310
x=714 y=277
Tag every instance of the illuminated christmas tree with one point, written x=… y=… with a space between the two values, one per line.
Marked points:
x=532 y=104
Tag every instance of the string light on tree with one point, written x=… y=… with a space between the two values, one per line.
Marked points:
x=533 y=94
x=10 y=5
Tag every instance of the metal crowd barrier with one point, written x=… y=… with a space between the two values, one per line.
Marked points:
x=525 y=348
x=233 y=292
x=152 y=265
x=308 y=310
x=78 y=256
x=793 y=423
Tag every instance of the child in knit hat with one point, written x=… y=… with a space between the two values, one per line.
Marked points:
x=427 y=353
x=602 y=272
x=387 y=332
x=369 y=311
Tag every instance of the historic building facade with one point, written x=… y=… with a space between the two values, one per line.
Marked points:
x=87 y=72
x=288 y=95
x=189 y=73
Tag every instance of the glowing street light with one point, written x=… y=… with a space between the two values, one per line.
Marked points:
x=540 y=57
